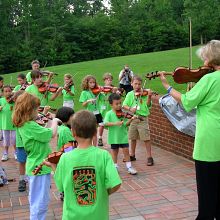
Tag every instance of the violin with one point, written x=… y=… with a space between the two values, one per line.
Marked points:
x=42 y=119
x=107 y=89
x=41 y=109
x=183 y=74
x=45 y=87
x=67 y=86
x=144 y=92
x=46 y=73
x=123 y=114
x=24 y=86
x=10 y=99
x=55 y=156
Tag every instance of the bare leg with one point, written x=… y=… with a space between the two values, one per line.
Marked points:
x=126 y=154
x=101 y=129
x=133 y=147
x=148 y=148
x=22 y=168
x=114 y=153
x=6 y=149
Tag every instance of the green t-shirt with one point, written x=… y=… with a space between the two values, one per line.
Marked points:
x=32 y=89
x=140 y=103
x=85 y=175
x=17 y=88
x=0 y=115
x=36 y=143
x=19 y=142
x=66 y=95
x=64 y=135
x=103 y=103
x=6 y=115
x=86 y=95
x=28 y=77
x=116 y=134
x=205 y=96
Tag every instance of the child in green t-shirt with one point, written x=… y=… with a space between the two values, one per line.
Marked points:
x=118 y=132
x=68 y=91
x=104 y=104
x=35 y=139
x=35 y=64
x=90 y=100
x=33 y=89
x=8 y=129
x=139 y=129
x=87 y=174
x=21 y=78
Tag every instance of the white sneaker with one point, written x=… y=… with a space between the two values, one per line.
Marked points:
x=132 y=171
x=4 y=157
x=15 y=156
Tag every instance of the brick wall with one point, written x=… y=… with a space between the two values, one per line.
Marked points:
x=165 y=135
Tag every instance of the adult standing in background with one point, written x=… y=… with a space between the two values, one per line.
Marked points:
x=205 y=97
x=125 y=77
x=35 y=64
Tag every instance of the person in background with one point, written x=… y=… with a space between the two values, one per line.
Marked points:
x=125 y=77
x=205 y=96
x=68 y=91
x=1 y=86
x=22 y=83
x=8 y=129
x=35 y=64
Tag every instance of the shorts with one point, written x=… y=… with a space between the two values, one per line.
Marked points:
x=99 y=118
x=68 y=103
x=21 y=155
x=9 y=137
x=117 y=146
x=139 y=130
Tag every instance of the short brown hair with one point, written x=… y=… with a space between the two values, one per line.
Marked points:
x=84 y=124
x=138 y=78
x=35 y=62
x=25 y=106
x=36 y=74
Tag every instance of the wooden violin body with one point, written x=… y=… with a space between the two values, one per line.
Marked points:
x=45 y=87
x=124 y=114
x=107 y=89
x=55 y=156
x=184 y=75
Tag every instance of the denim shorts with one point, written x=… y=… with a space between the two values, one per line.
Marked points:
x=21 y=155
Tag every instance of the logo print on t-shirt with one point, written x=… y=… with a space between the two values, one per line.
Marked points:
x=84 y=179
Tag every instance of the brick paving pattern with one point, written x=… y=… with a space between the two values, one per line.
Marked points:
x=165 y=191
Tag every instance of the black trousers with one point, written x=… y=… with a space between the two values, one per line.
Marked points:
x=208 y=189
x=127 y=88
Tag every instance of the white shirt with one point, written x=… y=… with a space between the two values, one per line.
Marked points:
x=125 y=79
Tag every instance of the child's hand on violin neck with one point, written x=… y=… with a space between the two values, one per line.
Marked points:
x=133 y=110
x=92 y=101
x=46 y=109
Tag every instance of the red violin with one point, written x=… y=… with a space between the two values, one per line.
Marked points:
x=55 y=156
x=42 y=119
x=45 y=87
x=107 y=89
x=123 y=114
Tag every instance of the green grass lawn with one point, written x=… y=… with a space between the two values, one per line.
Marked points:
x=140 y=64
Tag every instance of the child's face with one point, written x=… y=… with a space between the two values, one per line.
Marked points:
x=108 y=81
x=116 y=105
x=67 y=80
x=21 y=81
x=136 y=85
x=7 y=92
x=1 y=83
x=35 y=66
x=91 y=83
x=38 y=81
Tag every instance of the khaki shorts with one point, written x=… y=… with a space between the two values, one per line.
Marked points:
x=139 y=130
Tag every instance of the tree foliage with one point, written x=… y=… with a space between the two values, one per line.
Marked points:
x=66 y=31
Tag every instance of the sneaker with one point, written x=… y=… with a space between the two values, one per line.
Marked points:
x=132 y=158
x=15 y=156
x=100 y=143
x=4 y=157
x=22 y=186
x=132 y=171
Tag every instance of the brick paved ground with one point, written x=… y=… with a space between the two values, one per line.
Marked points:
x=164 y=191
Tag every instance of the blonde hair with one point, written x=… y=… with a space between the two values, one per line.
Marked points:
x=107 y=76
x=85 y=82
x=25 y=105
x=210 y=52
x=69 y=76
